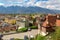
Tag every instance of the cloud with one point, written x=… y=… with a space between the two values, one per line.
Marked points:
x=1 y=4
x=50 y=4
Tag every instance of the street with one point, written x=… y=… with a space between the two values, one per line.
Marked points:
x=20 y=35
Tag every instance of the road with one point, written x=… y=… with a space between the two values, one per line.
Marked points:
x=20 y=35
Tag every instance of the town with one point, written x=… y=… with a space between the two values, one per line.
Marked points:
x=44 y=24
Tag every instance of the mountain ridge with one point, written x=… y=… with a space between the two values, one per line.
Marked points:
x=30 y=9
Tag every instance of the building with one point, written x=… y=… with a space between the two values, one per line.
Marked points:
x=11 y=21
x=58 y=20
x=22 y=22
x=48 y=24
x=6 y=27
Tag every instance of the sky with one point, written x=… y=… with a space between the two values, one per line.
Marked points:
x=50 y=4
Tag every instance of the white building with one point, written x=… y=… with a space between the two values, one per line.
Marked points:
x=22 y=23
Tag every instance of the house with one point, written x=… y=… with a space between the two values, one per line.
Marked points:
x=58 y=20
x=46 y=24
x=22 y=22
x=6 y=27
x=10 y=20
x=30 y=20
x=54 y=20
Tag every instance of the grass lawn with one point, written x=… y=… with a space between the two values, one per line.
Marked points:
x=56 y=34
x=17 y=39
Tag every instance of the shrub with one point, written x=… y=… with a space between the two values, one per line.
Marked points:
x=34 y=27
x=22 y=29
x=17 y=39
x=31 y=38
x=39 y=37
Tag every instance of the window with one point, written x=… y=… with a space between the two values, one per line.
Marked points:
x=58 y=17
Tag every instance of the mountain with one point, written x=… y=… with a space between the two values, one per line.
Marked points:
x=30 y=9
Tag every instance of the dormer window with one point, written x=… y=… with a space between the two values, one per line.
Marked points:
x=58 y=17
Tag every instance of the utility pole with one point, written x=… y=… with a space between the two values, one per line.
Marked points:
x=39 y=28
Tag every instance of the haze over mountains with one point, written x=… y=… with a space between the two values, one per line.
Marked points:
x=30 y=9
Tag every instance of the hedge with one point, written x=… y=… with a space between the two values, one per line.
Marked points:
x=22 y=30
x=34 y=27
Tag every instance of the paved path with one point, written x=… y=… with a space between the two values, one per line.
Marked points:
x=20 y=35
